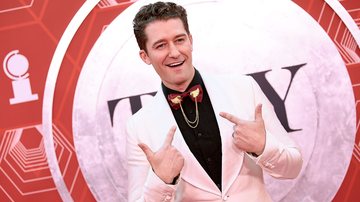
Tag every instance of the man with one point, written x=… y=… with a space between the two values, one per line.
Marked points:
x=224 y=139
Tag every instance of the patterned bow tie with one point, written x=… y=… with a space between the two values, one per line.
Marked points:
x=195 y=93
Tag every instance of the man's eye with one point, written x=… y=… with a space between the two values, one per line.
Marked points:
x=179 y=40
x=160 y=46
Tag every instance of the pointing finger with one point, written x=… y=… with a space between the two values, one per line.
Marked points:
x=258 y=112
x=230 y=117
x=146 y=149
x=170 y=136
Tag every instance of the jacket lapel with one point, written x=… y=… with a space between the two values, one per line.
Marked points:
x=232 y=158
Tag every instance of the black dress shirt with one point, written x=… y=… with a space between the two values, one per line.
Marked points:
x=204 y=141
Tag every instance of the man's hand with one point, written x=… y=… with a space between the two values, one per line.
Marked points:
x=167 y=162
x=248 y=136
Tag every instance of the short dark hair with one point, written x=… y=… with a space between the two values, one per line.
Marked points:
x=156 y=11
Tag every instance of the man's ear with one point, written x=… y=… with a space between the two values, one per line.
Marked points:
x=144 y=57
x=191 y=41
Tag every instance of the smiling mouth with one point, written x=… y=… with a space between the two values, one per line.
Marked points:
x=176 y=64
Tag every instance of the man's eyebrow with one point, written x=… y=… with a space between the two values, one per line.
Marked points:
x=180 y=35
x=162 y=40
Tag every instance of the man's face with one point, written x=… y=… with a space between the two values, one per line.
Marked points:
x=169 y=51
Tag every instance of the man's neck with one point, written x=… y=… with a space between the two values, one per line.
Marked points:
x=183 y=86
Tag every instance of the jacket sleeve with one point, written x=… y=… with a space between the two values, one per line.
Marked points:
x=281 y=157
x=143 y=183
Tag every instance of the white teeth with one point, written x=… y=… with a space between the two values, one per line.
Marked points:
x=175 y=64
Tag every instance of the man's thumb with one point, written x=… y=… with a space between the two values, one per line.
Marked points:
x=258 y=112
x=148 y=152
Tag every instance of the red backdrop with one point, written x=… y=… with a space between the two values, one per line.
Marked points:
x=34 y=27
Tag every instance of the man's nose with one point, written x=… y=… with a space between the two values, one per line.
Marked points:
x=173 y=51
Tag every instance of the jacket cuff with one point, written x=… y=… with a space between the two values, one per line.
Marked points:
x=270 y=155
x=157 y=189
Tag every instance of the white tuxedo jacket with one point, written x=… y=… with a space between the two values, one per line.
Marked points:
x=242 y=174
